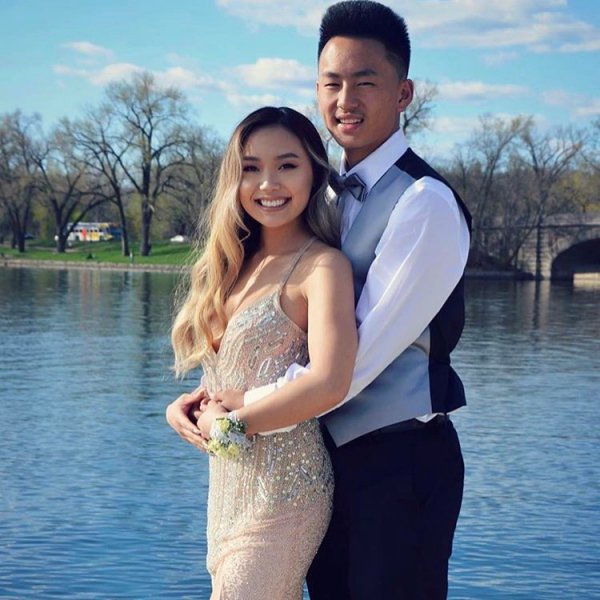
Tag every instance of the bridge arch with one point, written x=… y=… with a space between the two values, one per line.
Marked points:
x=581 y=257
x=564 y=245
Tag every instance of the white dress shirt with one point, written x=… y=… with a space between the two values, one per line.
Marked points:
x=418 y=261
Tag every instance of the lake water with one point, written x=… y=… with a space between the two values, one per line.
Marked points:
x=99 y=499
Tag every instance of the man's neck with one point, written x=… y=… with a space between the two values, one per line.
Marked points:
x=387 y=152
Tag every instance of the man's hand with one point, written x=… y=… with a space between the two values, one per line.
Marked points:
x=230 y=399
x=178 y=417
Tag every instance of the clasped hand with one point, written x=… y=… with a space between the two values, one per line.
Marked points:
x=192 y=414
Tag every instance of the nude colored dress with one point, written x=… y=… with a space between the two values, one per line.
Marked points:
x=268 y=510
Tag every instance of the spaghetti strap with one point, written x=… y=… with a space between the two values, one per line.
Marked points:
x=294 y=262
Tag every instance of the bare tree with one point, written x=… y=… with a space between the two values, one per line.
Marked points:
x=66 y=186
x=192 y=183
x=102 y=151
x=591 y=154
x=154 y=123
x=19 y=136
x=334 y=152
x=419 y=113
x=549 y=156
x=486 y=154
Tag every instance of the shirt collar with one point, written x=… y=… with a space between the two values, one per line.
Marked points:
x=372 y=168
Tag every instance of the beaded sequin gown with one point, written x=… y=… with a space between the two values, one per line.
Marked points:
x=268 y=510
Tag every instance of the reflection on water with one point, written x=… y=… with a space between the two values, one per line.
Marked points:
x=99 y=499
x=530 y=358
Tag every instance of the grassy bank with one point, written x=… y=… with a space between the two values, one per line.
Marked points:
x=162 y=254
x=165 y=256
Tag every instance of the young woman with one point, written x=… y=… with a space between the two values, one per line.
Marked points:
x=269 y=290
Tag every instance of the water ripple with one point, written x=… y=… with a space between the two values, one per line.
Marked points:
x=100 y=499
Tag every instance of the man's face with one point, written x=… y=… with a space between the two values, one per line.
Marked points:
x=360 y=95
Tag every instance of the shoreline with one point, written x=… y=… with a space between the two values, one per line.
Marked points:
x=15 y=263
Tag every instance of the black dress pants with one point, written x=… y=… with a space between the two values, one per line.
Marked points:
x=396 y=503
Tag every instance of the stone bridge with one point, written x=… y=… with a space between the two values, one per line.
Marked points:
x=569 y=244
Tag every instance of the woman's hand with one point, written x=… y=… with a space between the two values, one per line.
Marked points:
x=230 y=399
x=211 y=411
x=200 y=408
x=178 y=417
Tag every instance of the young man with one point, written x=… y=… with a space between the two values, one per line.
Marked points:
x=396 y=456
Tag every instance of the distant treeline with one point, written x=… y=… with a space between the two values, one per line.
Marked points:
x=139 y=159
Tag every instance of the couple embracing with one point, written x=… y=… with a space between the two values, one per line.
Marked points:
x=327 y=380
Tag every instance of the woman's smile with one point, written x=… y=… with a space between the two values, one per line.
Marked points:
x=273 y=202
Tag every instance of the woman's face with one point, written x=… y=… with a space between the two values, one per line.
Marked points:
x=277 y=178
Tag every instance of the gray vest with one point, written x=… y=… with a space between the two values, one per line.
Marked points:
x=420 y=380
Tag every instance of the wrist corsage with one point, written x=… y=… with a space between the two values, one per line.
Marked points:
x=228 y=436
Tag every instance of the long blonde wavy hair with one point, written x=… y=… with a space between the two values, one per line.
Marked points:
x=227 y=236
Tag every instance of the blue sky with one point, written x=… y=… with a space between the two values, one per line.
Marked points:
x=508 y=57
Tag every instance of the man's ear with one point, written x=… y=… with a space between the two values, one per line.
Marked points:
x=405 y=95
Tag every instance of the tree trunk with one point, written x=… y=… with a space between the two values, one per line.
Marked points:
x=61 y=243
x=124 y=231
x=146 y=221
x=538 y=250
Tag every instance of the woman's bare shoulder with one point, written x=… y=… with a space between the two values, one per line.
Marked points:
x=320 y=254
x=322 y=262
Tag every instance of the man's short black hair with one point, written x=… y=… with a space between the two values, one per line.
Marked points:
x=369 y=20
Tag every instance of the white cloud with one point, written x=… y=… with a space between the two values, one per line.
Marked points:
x=591 y=108
x=454 y=127
x=539 y=25
x=477 y=91
x=180 y=77
x=102 y=76
x=251 y=102
x=273 y=73
x=183 y=78
x=89 y=49
x=577 y=105
x=183 y=74
x=271 y=81
x=303 y=15
x=113 y=72
x=588 y=45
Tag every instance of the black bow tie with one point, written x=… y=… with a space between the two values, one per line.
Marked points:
x=352 y=183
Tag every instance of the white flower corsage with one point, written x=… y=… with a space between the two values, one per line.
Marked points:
x=228 y=436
